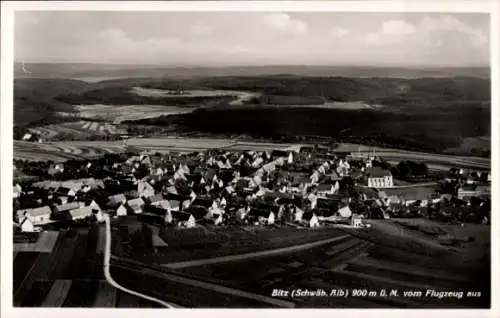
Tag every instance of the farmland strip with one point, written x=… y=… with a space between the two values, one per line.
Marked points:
x=106 y=296
x=245 y=256
x=57 y=293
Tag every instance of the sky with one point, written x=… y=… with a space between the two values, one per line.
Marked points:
x=218 y=39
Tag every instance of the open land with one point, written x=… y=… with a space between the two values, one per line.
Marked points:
x=365 y=258
x=404 y=113
x=61 y=151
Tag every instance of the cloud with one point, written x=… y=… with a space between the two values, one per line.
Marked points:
x=200 y=30
x=446 y=24
x=282 y=22
x=390 y=32
x=339 y=32
x=430 y=32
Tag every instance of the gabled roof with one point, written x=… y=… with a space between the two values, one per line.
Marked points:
x=63 y=190
x=205 y=202
x=83 y=211
x=324 y=187
x=155 y=198
x=66 y=207
x=377 y=172
x=41 y=211
x=198 y=212
x=117 y=199
x=135 y=202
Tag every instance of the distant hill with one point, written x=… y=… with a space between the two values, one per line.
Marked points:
x=87 y=70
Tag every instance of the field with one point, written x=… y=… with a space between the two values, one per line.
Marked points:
x=61 y=151
x=76 y=130
x=118 y=113
x=44 y=244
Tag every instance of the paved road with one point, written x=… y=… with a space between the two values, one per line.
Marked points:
x=112 y=282
x=245 y=256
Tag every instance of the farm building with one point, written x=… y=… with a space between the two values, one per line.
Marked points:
x=81 y=213
x=67 y=207
x=408 y=196
x=37 y=216
x=377 y=177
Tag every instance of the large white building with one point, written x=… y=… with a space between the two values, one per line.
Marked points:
x=377 y=177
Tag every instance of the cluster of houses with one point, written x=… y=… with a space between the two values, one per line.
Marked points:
x=304 y=188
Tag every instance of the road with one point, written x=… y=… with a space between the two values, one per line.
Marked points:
x=112 y=282
x=246 y=256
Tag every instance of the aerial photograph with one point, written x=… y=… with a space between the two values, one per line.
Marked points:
x=251 y=159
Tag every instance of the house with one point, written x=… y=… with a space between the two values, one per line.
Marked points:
x=183 y=219
x=356 y=221
x=63 y=191
x=17 y=191
x=145 y=189
x=297 y=214
x=409 y=196
x=262 y=216
x=116 y=200
x=121 y=210
x=26 y=225
x=376 y=177
x=135 y=205
x=217 y=218
x=310 y=219
x=38 y=216
x=324 y=189
x=81 y=213
x=67 y=207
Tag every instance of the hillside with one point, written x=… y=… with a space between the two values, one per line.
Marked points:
x=35 y=99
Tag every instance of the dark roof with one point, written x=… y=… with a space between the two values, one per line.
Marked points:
x=260 y=212
x=205 y=202
x=198 y=212
x=324 y=187
x=377 y=172
x=63 y=190
x=155 y=210
x=267 y=207
x=307 y=216
x=174 y=196
x=328 y=203
x=180 y=216
x=209 y=174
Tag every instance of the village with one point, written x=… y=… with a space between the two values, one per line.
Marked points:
x=312 y=187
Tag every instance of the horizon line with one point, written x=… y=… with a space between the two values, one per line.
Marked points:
x=257 y=65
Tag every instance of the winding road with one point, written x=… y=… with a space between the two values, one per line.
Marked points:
x=112 y=282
